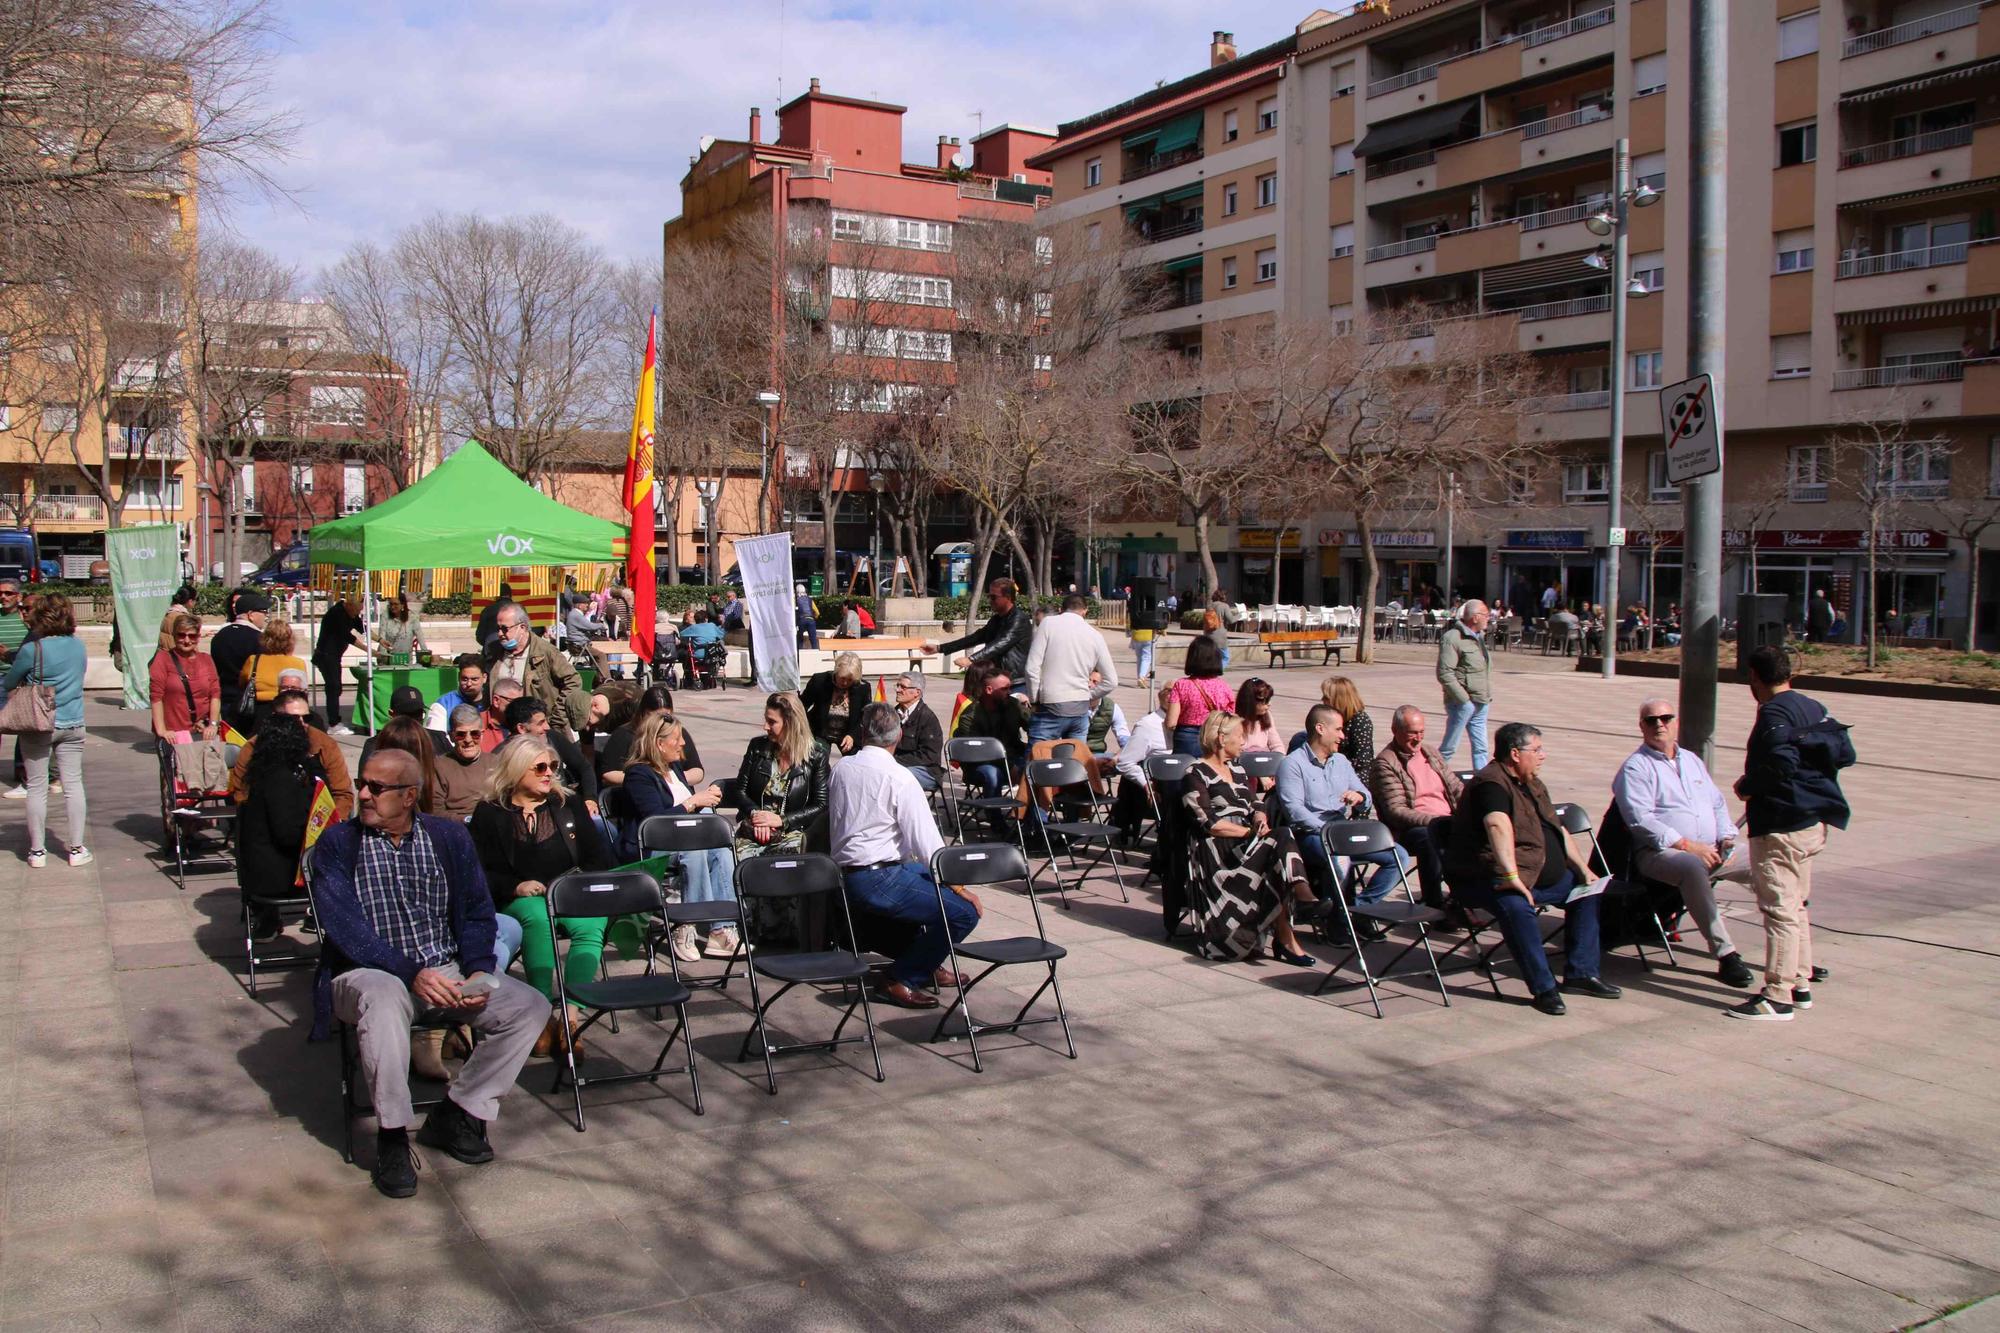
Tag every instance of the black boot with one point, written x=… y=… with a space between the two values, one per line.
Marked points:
x=450 y=1130
x=395 y=1172
x=265 y=922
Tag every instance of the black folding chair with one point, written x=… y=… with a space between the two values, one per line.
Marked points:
x=1166 y=776
x=192 y=817
x=959 y=753
x=798 y=878
x=997 y=863
x=1167 y=771
x=1627 y=887
x=1260 y=764
x=681 y=834
x=1355 y=838
x=1073 y=789
x=294 y=905
x=606 y=894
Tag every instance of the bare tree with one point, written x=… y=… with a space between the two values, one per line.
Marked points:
x=1875 y=456
x=387 y=324
x=1968 y=519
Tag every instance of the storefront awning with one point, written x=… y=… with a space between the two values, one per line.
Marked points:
x=1169 y=135
x=1391 y=138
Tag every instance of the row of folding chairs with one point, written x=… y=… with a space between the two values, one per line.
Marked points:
x=1078 y=815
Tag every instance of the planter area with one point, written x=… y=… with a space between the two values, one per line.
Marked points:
x=1900 y=673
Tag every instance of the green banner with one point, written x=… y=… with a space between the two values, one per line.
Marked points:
x=145 y=569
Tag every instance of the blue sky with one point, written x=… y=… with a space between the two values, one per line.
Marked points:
x=590 y=111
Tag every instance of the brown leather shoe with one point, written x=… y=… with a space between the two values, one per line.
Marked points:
x=546 y=1043
x=946 y=979
x=896 y=993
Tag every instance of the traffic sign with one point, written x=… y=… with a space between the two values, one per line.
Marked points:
x=1617 y=537
x=1688 y=420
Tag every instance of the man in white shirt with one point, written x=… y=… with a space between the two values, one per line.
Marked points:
x=1069 y=670
x=1148 y=737
x=883 y=836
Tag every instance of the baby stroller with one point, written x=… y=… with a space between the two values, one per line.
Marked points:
x=196 y=811
x=704 y=664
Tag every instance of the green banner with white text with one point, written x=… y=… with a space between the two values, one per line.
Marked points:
x=145 y=569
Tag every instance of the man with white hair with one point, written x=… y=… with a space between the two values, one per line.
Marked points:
x=1682 y=832
x=802 y=612
x=1465 y=670
x=921 y=750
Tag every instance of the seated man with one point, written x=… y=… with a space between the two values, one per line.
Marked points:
x=698 y=636
x=999 y=713
x=1508 y=855
x=1317 y=783
x=1412 y=786
x=883 y=836
x=921 y=750
x=407 y=922
x=1681 y=829
x=500 y=695
x=1148 y=737
x=471 y=690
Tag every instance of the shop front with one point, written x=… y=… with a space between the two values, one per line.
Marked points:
x=1407 y=562
x=1154 y=557
x=1533 y=559
x=1259 y=549
x=1796 y=563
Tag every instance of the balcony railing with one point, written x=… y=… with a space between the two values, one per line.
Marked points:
x=1596 y=18
x=55 y=508
x=1809 y=492
x=1183 y=294
x=144 y=441
x=1913 y=31
x=1582 y=305
x=1902 y=261
x=1409 y=78
x=1568 y=120
x=1909 y=372
x=1156 y=162
x=1931 y=141
x=1396 y=166
x=1414 y=246
x=1187 y=226
x=978 y=189
x=1568 y=402
x=1556 y=217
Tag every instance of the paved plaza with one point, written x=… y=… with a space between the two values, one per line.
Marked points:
x=1227 y=1153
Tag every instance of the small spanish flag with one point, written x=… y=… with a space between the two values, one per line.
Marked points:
x=231 y=736
x=317 y=818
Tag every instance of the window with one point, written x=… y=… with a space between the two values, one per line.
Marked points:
x=1791 y=356
x=1809 y=473
x=913 y=289
x=1589 y=379
x=1795 y=250
x=1228 y=274
x=1649 y=74
x=1650 y=170
x=1267 y=190
x=1267 y=114
x=338 y=405
x=1921 y=468
x=1267 y=266
x=58 y=418
x=1229 y=201
x=1586 y=482
x=915 y=234
x=353 y=488
x=6 y=416
x=849 y=226
x=1343 y=80
x=1093 y=172
x=1798 y=143
x=1798 y=35
x=1646 y=368
x=1343 y=319
x=1343 y=239
x=1230 y=129
x=1045 y=249
x=1343 y=158
x=1520 y=483
x=1658 y=488
x=302 y=478
x=923 y=345
x=1045 y=361
x=246 y=486
x=871 y=342
x=1093 y=236
x=1650 y=270
x=147 y=493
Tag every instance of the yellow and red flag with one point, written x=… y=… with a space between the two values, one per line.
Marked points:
x=640 y=569
x=318 y=816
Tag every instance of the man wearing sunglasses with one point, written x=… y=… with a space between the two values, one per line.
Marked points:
x=407 y=922
x=1682 y=832
x=464 y=765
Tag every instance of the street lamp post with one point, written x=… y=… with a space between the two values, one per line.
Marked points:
x=767 y=402
x=1614 y=221
x=876 y=483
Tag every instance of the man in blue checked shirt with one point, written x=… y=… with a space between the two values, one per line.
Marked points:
x=1315 y=784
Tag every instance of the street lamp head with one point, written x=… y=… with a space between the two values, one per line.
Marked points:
x=1637 y=288
x=1645 y=196
x=768 y=398
x=1600 y=223
x=1597 y=259
x=877 y=482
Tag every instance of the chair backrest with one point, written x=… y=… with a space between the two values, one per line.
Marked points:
x=732 y=793
x=605 y=893
x=1261 y=763
x=798 y=876
x=980 y=863
x=1465 y=774
x=1356 y=837
x=1165 y=769
x=684 y=833
x=975 y=750
x=1056 y=773
x=1575 y=819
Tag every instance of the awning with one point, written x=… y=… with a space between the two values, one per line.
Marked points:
x=1918 y=196
x=951 y=548
x=1181 y=265
x=1420 y=128
x=1984 y=69
x=1533 y=274
x=1168 y=135
x=1970 y=305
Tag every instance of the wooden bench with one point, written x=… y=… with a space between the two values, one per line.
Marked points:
x=1281 y=642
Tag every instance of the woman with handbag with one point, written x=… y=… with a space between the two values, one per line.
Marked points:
x=48 y=717
x=187 y=696
x=260 y=678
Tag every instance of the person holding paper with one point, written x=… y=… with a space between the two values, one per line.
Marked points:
x=1508 y=854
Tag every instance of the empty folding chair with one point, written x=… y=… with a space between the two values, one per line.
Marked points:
x=962 y=752
x=1627 y=885
x=797 y=878
x=997 y=863
x=691 y=834
x=1071 y=783
x=1164 y=773
x=1356 y=838
x=1166 y=778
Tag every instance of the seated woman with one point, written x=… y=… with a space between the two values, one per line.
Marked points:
x=781 y=785
x=833 y=702
x=529 y=830
x=1253 y=705
x=1246 y=872
x=656 y=784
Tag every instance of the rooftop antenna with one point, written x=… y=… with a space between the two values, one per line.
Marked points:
x=781 y=52
x=978 y=120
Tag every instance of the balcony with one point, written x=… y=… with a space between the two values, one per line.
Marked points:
x=1582 y=305
x=1953 y=155
x=1809 y=492
x=1396 y=249
x=1152 y=163
x=1569 y=120
x=1568 y=402
x=1919 y=47
x=144 y=442
x=1904 y=373
x=55 y=508
x=1933 y=141
x=1950 y=272
x=1913 y=31
x=1409 y=78
x=1865 y=266
x=1596 y=18
x=1186 y=226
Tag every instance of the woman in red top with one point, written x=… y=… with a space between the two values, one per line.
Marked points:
x=1197 y=694
x=187 y=694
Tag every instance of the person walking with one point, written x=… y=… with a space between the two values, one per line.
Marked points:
x=1465 y=670
x=1069 y=667
x=1819 y=617
x=1791 y=792
x=53 y=656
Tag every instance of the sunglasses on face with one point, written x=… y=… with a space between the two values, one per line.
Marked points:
x=187 y=634
x=370 y=787
x=1658 y=719
x=472 y=735
x=543 y=766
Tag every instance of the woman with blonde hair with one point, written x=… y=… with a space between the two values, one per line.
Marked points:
x=530 y=830
x=1247 y=871
x=1342 y=695
x=272 y=660
x=833 y=702
x=656 y=783
x=781 y=784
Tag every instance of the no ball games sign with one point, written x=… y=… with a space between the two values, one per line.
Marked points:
x=1688 y=420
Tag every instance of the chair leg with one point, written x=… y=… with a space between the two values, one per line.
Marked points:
x=687 y=1038
x=868 y=1024
x=1062 y=1012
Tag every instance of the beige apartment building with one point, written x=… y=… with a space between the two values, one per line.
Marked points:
x=1452 y=150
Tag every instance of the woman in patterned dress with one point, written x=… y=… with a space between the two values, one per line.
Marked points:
x=1246 y=873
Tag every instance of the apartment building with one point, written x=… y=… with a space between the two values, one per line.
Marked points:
x=886 y=231
x=1455 y=150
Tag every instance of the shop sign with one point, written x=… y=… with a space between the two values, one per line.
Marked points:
x=1266 y=539
x=1336 y=537
x=1548 y=539
x=1812 y=539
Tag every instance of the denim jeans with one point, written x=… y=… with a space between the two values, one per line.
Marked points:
x=1046 y=726
x=710 y=878
x=986 y=777
x=1460 y=719
x=1430 y=861
x=1313 y=848
x=506 y=941
x=65 y=745
x=906 y=892
x=1187 y=741
x=926 y=778
x=1524 y=934
x=1144 y=653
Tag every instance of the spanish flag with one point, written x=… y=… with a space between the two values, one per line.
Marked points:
x=317 y=818
x=641 y=571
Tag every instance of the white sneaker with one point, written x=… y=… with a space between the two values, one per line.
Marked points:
x=80 y=856
x=16 y=793
x=36 y=860
x=721 y=942
x=685 y=947
x=340 y=729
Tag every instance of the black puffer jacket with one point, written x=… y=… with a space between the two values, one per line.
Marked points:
x=805 y=784
x=1791 y=771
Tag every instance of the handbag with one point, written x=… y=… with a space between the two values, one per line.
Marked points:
x=30 y=711
x=246 y=702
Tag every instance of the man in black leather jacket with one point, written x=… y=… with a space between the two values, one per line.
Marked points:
x=1003 y=639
